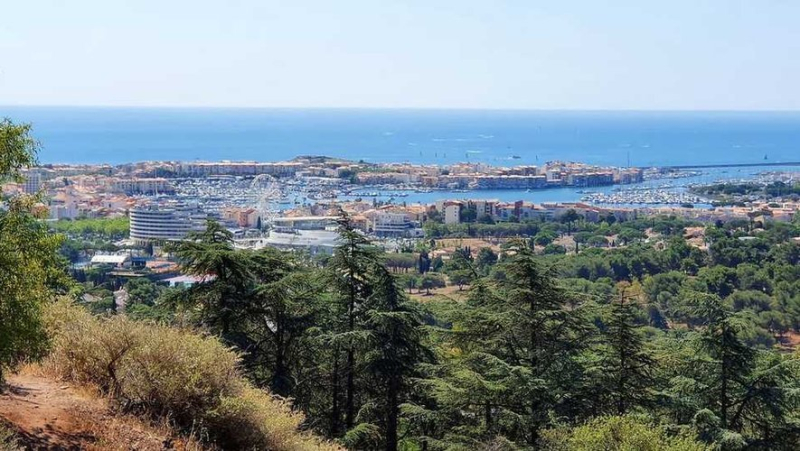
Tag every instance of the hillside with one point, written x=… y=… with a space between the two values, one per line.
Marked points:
x=47 y=414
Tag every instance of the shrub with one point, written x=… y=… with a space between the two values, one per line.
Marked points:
x=162 y=372
x=8 y=439
x=623 y=433
x=243 y=422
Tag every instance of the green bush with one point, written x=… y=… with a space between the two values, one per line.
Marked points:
x=618 y=433
x=164 y=372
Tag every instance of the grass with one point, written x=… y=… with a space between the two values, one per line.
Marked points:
x=160 y=372
x=8 y=439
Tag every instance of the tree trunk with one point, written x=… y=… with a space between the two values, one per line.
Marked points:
x=351 y=388
x=723 y=398
x=335 y=396
x=392 y=415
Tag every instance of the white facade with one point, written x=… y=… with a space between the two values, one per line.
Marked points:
x=390 y=224
x=142 y=186
x=452 y=213
x=164 y=223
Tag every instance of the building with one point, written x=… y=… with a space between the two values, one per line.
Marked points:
x=391 y=224
x=241 y=217
x=202 y=169
x=315 y=234
x=115 y=260
x=33 y=182
x=142 y=186
x=452 y=212
x=484 y=207
x=165 y=223
x=305 y=222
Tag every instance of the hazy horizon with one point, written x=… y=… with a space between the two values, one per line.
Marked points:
x=401 y=108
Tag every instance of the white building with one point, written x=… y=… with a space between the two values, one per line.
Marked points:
x=452 y=212
x=117 y=260
x=156 y=223
x=142 y=186
x=316 y=234
x=386 y=223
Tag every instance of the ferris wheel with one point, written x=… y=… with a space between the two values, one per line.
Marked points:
x=266 y=193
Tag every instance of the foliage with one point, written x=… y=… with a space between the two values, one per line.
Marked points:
x=30 y=269
x=622 y=433
x=108 y=228
x=164 y=372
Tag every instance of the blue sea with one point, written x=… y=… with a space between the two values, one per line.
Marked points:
x=120 y=135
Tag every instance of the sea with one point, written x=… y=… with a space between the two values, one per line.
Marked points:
x=497 y=137
x=123 y=135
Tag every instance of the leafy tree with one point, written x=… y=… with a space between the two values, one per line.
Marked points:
x=581 y=238
x=486 y=258
x=141 y=291
x=555 y=249
x=30 y=268
x=545 y=237
x=431 y=281
x=619 y=433
x=570 y=217
x=424 y=262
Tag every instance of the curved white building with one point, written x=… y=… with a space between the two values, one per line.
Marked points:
x=156 y=223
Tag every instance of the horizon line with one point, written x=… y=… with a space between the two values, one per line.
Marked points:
x=399 y=108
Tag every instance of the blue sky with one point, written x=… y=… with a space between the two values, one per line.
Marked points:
x=620 y=54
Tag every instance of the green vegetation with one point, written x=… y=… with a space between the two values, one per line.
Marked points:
x=734 y=193
x=171 y=373
x=106 y=228
x=641 y=339
x=623 y=433
x=29 y=265
x=660 y=335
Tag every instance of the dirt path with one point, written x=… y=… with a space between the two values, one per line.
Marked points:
x=50 y=415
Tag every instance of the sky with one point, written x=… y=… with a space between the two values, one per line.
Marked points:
x=495 y=54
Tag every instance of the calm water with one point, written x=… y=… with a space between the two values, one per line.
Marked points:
x=118 y=135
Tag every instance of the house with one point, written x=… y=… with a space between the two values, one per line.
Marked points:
x=115 y=260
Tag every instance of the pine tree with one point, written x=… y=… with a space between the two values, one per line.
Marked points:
x=731 y=360
x=515 y=346
x=226 y=277
x=395 y=351
x=546 y=336
x=627 y=365
x=349 y=272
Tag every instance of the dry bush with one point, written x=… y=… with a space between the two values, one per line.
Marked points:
x=169 y=373
x=8 y=439
x=175 y=372
x=244 y=422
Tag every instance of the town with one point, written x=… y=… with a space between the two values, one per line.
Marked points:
x=293 y=204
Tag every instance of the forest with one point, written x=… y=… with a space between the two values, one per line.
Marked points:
x=694 y=345
x=655 y=341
